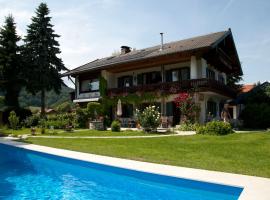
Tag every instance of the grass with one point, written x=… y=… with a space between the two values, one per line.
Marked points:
x=243 y=153
x=80 y=132
x=6 y=131
x=87 y=132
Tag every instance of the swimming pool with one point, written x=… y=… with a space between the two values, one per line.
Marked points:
x=26 y=174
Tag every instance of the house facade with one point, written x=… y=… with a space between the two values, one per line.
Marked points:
x=202 y=64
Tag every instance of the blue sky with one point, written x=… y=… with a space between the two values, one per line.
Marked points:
x=96 y=28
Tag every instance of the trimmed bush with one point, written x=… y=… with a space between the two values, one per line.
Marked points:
x=13 y=120
x=94 y=110
x=215 y=128
x=115 y=126
x=189 y=127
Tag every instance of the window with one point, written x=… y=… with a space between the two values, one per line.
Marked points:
x=89 y=85
x=185 y=74
x=210 y=73
x=125 y=81
x=221 y=78
x=212 y=108
x=178 y=74
x=149 y=78
x=175 y=75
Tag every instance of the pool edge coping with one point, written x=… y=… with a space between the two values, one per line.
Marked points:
x=254 y=187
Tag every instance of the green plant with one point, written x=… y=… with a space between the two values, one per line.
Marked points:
x=256 y=115
x=81 y=117
x=115 y=126
x=61 y=121
x=149 y=118
x=215 y=128
x=65 y=107
x=94 y=110
x=102 y=86
x=13 y=120
x=189 y=109
x=22 y=113
x=187 y=126
x=42 y=125
x=31 y=121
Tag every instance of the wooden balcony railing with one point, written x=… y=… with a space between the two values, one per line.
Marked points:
x=203 y=84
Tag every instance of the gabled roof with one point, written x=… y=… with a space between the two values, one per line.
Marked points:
x=186 y=45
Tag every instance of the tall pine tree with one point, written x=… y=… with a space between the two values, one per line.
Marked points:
x=10 y=63
x=42 y=66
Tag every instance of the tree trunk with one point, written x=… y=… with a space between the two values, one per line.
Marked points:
x=42 y=113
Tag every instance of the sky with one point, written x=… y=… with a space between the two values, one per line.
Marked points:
x=92 y=29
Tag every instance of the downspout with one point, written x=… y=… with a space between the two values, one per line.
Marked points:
x=163 y=105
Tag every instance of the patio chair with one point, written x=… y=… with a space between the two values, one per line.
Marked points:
x=164 y=122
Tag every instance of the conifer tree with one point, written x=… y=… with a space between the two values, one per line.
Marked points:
x=42 y=65
x=10 y=62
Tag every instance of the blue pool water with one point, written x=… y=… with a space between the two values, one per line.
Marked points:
x=31 y=175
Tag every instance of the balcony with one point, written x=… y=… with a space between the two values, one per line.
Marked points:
x=203 y=84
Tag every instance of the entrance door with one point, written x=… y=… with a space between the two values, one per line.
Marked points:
x=176 y=115
x=172 y=110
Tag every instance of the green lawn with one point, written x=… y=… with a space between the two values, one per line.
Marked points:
x=87 y=132
x=243 y=153
x=21 y=131
x=80 y=132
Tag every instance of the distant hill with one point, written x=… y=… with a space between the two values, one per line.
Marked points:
x=52 y=99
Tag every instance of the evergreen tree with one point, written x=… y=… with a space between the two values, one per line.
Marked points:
x=10 y=62
x=233 y=81
x=42 y=66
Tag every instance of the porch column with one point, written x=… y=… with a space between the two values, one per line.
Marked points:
x=204 y=66
x=216 y=73
x=225 y=78
x=193 y=68
x=234 y=112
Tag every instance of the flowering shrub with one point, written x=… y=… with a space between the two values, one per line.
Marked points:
x=189 y=109
x=149 y=118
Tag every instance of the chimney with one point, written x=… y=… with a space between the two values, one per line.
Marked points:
x=161 y=42
x=125 y=49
